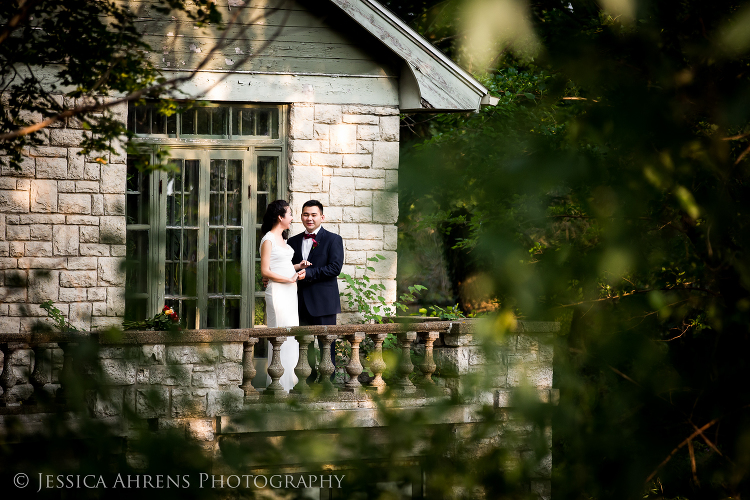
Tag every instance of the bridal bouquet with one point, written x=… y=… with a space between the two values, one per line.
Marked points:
x=167 y=319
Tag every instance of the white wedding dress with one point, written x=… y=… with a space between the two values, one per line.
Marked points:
x=281 y=308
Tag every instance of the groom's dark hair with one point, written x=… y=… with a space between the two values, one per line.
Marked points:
x=313 y=203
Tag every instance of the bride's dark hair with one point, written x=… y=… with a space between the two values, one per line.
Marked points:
x=275 y=210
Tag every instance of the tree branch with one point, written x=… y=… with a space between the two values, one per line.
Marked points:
x=170 y=84
x=22 y=16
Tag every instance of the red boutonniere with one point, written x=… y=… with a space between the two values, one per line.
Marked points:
x=315 y=244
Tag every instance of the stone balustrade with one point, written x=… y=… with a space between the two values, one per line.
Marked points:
x=202 y=381
x=209 y=373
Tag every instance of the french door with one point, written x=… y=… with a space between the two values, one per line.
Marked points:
x=210 y=207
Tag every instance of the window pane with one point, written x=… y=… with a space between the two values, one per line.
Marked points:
x=215 y=243
x=215 y=277
x=268 y=167
x=141 y=116
x=188 y=122
x=219 y=120
x=172 y=124
x=190 y=262
x=263 y=118
x=234 y=192
x=234 y=262
x=248 y=122
x=158 y=121
x=232 y=313
x=174 y=188
x=138 y=190
x=136 y=309
x=136 y=261
x=214 y=313
x=275 y=123
x=203 y=121
x=217 y=198
x=191 y=192
x=262 y=205
x=172 y=274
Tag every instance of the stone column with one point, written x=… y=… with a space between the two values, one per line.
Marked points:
x=42 y=374
x=405 y=366
x=427 y=367
x=248 y=370
x=377 y=365
x=8 y=379
x=276 y=370
x=326 y=367
x=303 y=369
x=354 y=368
x=66 y=375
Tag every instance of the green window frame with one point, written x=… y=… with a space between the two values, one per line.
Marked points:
x=193 y=231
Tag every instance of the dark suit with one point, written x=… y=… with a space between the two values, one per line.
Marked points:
x=318 y=294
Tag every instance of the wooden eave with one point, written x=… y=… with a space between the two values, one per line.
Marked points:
x=430 y=81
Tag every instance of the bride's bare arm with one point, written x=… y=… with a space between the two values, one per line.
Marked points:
x=265 y=265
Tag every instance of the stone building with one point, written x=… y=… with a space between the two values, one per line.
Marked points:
x=314 y=114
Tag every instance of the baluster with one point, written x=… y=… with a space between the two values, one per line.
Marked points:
x=405 y=366
x=66 y=374
x=8 y=379
x=354 y=367
x=428 y=365
x=248 y=370
x=276 y=370
x=42 y=374
x=326 y=368
x=303 y=369
x=377 y=365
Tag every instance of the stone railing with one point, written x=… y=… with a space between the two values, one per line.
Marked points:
x=201 y=381
x=208 y=373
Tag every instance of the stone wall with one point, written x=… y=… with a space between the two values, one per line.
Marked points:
x=346 y=156
x=62 y=232
x=172 y=381
x=524 y=358
x=62 y=217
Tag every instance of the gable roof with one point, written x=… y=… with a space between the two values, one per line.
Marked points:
x=430 y=81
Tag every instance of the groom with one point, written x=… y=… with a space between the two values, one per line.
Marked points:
x=317 y=294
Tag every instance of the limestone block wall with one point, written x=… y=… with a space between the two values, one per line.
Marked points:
x=62 y=232
x=346 y=156
x=523 y=359
x=171 y=381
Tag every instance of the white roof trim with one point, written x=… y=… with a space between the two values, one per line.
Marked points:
x=443 y=86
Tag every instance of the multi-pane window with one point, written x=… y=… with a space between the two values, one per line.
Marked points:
x=224 y=122
x=194 y=227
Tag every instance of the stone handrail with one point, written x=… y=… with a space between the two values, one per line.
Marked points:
x=407 y=333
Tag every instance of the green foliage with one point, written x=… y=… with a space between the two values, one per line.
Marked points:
x=61 y=59
x=444 y=313
x=57 y=317
x=616 y=199
x=368 y=296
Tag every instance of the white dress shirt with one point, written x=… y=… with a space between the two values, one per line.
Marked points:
x=307 y=244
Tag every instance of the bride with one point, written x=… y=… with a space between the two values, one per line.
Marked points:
x=281 y=293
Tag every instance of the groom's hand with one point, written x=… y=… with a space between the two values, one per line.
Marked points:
x=265 y=282
x=301 y=275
